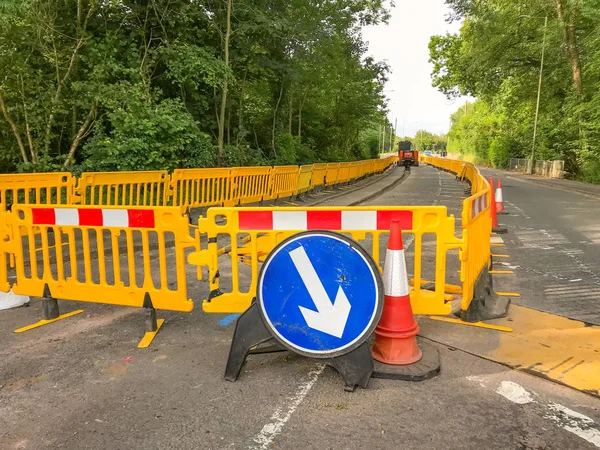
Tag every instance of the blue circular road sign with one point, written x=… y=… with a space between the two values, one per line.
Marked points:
x=320 y=294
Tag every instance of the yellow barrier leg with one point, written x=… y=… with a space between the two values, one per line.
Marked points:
x=152 y=327
x=498 y=255
x=46 y=322
x=150 y=335
x=50 y=312
x=508 y=294
x=473 y=324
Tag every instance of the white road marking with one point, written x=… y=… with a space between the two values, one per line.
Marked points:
x=512 y=205
x=576 y=423
x=278 y=419
x=571 y=421
x=514 y=392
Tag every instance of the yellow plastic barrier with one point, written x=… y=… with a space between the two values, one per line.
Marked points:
x=476 y=224
x=194 y=188
x=476 y=227
x=285 y=181
x=343 y=173
x=4 y=238
x=250 y=233
x=36 y=189
x=319 y=173
x=305 y=174
x=109 y=255
x=331 y=177
x=123 y=188
x=250 y=185
x=354 y=170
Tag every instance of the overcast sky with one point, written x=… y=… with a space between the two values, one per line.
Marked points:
x=403 y=44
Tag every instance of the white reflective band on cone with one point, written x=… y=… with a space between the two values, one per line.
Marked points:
x=395 y=279
x=499 y=195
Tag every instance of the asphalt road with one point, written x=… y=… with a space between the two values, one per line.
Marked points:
x=554 y=241
x=83 y=384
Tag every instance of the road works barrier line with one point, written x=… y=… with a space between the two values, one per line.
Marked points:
x=475 y=254
x=36 y=189
x=101 y=281
x=266 y=227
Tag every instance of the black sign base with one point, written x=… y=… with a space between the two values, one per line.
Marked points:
x=427 y=367
x=355 y=367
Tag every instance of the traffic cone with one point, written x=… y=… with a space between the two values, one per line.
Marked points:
x=395 y=335
x=495 y=226
x=499 y=199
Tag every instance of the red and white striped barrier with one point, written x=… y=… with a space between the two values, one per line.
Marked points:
x=94 y=217
x=479 y=204
x=300 y=220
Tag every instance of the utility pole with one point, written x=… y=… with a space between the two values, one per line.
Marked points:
x=537 y=105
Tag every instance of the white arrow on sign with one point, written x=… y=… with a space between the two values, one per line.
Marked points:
x=329 y=317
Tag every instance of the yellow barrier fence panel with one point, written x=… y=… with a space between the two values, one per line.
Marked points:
x=104 y=255
x=4 y=255
x=362 y=169
x=319 y=173
x=194 y=188
x=250 y=185
x=331 y=178
x=343 y=173
x=36 y=189
x=354 y=171
x=285 y=181
x=149 y=188
x=475 y=256
x=476 y=225
x=305 y=174
x=251 y=233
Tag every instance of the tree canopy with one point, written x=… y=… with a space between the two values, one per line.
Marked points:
x=496 y=57
x=160 y=84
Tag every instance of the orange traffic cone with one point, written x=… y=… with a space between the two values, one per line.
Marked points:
x=499 y=199
x=395 y=335
x=495 y=226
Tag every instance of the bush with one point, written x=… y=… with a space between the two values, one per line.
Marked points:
x=287 y=149
x=243 y=156
x=499 y=151
x=139 y=133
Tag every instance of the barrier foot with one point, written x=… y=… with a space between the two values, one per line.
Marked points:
x=47 y=321
x=499 y=230
x=473 y=324
x=250 y=331
x=486 y=304
x=427 y=367
x=355 y=367
x=508 y=294
x=152 y=324
x=152 y=327
x=49 y=306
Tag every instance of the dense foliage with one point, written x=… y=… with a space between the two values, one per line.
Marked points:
x=160 y=84
x=496 y=57
x=425 y=140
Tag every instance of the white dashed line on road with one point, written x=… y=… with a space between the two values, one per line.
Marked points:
x=566 y=418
